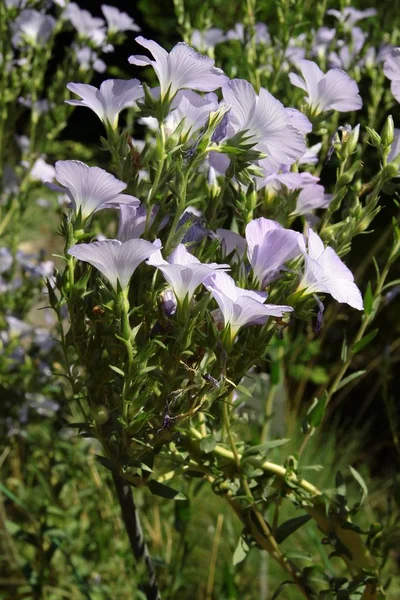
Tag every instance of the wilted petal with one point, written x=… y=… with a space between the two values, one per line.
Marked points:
x=115 y=260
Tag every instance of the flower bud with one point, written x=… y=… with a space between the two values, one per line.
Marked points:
x=387 y=134
x=375 y=138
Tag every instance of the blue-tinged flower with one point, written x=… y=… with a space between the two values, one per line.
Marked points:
x=87 y=26
x=391 y=68
x=181 y=68
x=208 y=39
x=192 y=109
x=326 y=273
x=311 y=155
x=6 y=259
x=265 y=123
x=395 y=147
x=334 y=90
x=118 y=20
x=348 y=54
x=107 y=102
x=183 y=271
x=269 y=246
x=323 y=37
x=311 y=197
x=116 y=260
x=88 y=59
x=261 y=33
x=232 y=242
x=32 y=27
x=349 y=16
x=132 y=220
x=41 y=171
x=90 y=188
x=240 y=307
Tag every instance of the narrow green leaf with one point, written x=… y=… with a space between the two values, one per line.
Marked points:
x=349 y=378
x=280 y=589
x=290 y=527
x=368 y=299
x=208 y=444
x=117 y=370
x=316 y=412
x=159 y=489
x=265 y=447
x=361 y=483
x=364 y=341
x=240 y=552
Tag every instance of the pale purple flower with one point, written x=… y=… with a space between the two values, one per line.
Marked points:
x=132 y=221
x=87 y=26
x=192 y=109
x=295 y=52
x=269 y=246
x=232 y=242
x=326 y=273
x=181 y=68
x=117 y=20
x=264 y=122
x=395 y=147
x=208 y=39
x=311 y=155
x=391 y=68
x=32 y=27
x=310 y=198
x=240 y=307
x=334 y=90
x=261 y=33
x=323 y=37
x=90 y=188
x=6 y=259
x=88 y=59
x=107 y=102
x=350 y=16
x=183 y=271
x=41 y=171
x=348 y=54
x=275 y=182
x=117 y=261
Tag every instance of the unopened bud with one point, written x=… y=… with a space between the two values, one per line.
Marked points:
x=375 y=138
x=387 y=134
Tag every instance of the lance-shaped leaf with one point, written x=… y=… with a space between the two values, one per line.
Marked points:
x=107 y=102
x=117 y=261
x=181 y=68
